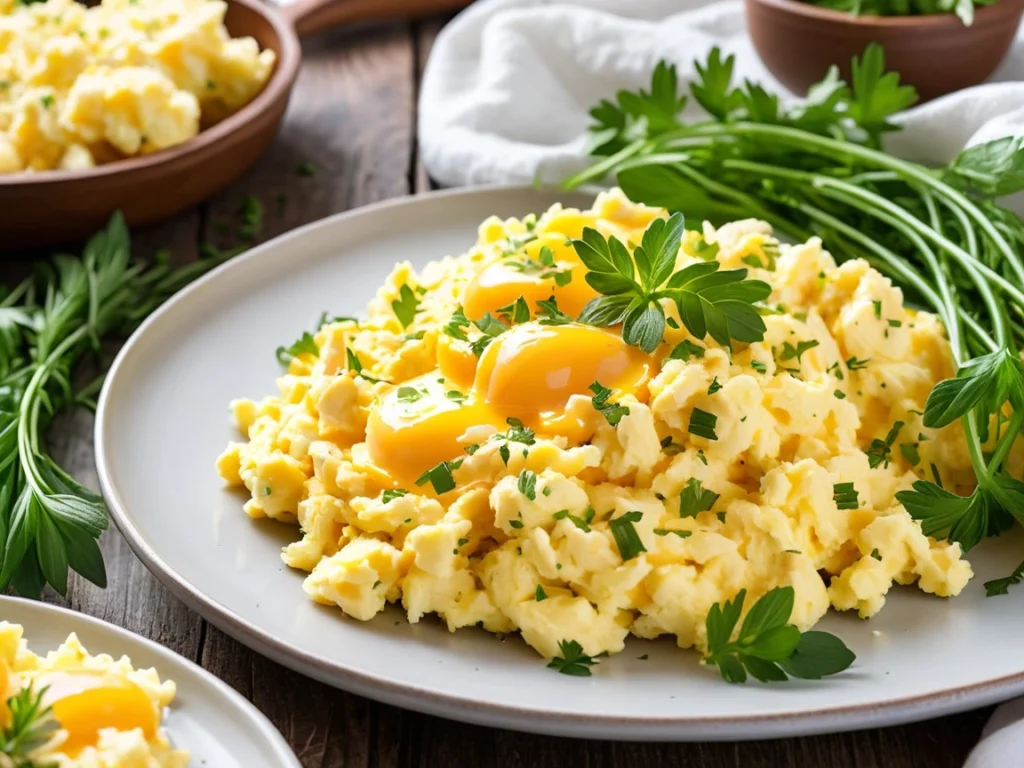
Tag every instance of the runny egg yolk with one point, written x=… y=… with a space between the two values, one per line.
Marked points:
x=528 y=373
x=409 y=433
x=531 y=371
x=501 y=283
x=84 y=702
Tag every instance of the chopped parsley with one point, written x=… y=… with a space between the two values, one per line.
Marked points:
x=626 y=537
x=879 y=450
x=516 y=312
x=855 y=365
x=909 y=451
x=440 y=477
x=583 y=523
x=573 y=660
x=876 y=554
x=715 y=386
x=702 y=424
x=686 y=349
x=789 y=351
x=759 y=366
x=305 y=345
x=409 y=394
x=695 y=498
x=405 y=306
x=845 y=496
x=528 y=484
x=540 y=594
x=456 y=326
x=392 y=493
x=667 y=531
x=356 y=366
x=613 y=412
x=839 y=394
x=549 y=313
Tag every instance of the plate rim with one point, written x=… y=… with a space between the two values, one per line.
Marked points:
x=283 y=750
x=831 y=719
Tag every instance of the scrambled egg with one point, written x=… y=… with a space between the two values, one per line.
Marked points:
x=107 y=712
x=492 y=491
x=81 y=86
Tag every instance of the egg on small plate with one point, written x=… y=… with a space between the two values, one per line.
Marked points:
x=72 y=709
x=472 y=450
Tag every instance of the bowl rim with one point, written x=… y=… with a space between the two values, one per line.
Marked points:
x=983 y=15
x=286 y=69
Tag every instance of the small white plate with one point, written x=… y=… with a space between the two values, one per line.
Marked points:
x=163 y=420
x=208 y=718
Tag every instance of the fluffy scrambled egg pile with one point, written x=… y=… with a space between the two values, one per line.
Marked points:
x=482 y=480
x=107 y=712
x=81 y=86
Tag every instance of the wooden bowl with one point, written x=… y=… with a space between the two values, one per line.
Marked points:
x=50 y=207
x=936 y=54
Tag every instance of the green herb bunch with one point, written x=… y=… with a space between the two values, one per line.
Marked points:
x=48 y=323
x=962 y=8
x=817 y=169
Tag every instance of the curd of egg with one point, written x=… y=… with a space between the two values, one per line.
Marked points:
x=469 y=470
x=106 y=713
x=81 y=86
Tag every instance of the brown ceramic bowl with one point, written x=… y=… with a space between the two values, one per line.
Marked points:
x=937 y=54
x=50 y=207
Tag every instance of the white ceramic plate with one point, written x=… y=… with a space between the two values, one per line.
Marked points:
x=163 y=420
x=208 y=718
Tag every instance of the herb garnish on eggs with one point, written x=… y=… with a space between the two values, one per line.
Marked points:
x=938 y=234
x=497 y=461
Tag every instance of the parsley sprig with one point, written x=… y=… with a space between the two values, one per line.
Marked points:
x=767 y=646
x=816 y=168
x=573 y=660
x=709 y=301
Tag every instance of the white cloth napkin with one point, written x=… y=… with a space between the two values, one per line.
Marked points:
x=509 y=82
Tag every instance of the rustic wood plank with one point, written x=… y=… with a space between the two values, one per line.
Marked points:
x=942 y=743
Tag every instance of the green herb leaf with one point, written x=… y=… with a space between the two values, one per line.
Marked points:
x=767 y=647
x=572 y=661
x=695 y=498
x=440 y=477
x=405 y=306
x=702 y=424
x=1002 y=586
x=391 y=494
x=686 y=349
x=845 y=496
x=304 y=345
x=879 y=450
x=549 y=314
x=626 y=538
x=613 y=412
x=528 y=484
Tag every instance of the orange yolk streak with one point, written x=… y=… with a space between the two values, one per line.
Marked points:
x=84 y=702
x=500 y=284
x=529 y=373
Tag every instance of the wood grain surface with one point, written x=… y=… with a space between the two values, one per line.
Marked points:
x=353 y=116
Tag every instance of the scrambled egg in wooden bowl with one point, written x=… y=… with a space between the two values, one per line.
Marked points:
x=84 y=86
x=494 y=445
x=70 y=709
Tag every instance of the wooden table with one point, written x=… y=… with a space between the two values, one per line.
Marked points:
x=353 y=115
